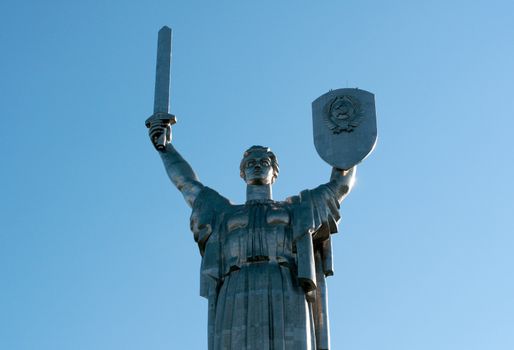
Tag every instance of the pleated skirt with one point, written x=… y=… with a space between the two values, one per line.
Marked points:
x=261 y=307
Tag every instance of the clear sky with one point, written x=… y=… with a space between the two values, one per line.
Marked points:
x=95 y=247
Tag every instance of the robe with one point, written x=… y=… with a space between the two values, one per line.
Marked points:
x=263 y=269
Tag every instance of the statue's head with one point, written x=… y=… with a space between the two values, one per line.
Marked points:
x=259 y=166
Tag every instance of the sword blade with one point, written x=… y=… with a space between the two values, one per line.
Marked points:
x=162 y=72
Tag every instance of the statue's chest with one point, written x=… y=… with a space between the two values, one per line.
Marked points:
x=258 y=230
x=258 y=216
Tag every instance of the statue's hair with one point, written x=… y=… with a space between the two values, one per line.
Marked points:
x=259 y=149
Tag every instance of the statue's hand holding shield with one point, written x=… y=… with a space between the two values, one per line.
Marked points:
x=344 y=126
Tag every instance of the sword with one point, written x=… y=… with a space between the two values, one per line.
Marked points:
x=161 y=105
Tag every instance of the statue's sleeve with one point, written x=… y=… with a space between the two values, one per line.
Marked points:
x=324 y=205
x=316 y=213
x=319 y=216
x=207 y=226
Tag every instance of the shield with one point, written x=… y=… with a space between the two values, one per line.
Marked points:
x=344 y=126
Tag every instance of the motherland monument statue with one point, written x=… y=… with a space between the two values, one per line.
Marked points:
x=264 y=262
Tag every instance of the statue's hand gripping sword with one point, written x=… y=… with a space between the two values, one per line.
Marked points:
x=161 y=115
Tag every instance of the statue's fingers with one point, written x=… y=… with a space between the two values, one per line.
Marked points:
x=155 y=136
x=168 y=133
x=152 y=132
x=156 y=129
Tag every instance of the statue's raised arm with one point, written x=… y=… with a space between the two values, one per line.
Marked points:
x=341 y=182
x=178 y=169
x=159 y=124
x=264 y=262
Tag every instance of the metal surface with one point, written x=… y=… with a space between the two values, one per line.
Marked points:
x=161 y=116
x=264 y=262
x=344 y=126
x=162 y=71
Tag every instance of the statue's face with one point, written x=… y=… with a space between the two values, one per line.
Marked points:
x=258 y=170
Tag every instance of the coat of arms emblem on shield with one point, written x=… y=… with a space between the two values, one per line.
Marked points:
x=344 y=113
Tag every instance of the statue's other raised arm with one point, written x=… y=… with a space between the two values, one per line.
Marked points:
x=178 y=169
x=341 y=182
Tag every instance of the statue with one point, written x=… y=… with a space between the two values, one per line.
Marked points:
x=264 y=262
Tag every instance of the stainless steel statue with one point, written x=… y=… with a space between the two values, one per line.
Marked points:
x=264 y=262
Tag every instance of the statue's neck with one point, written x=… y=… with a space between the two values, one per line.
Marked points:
x=258 y=192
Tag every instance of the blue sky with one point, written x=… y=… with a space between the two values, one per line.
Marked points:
x=95 y=248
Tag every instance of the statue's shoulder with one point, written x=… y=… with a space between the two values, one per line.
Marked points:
x=292 y=200
x=324 y=208
x=209 y=199
x=319 y=193
x=209 y=210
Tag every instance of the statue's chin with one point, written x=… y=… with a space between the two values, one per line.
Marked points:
x=257 y=182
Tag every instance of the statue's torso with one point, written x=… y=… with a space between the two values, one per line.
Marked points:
x=260 y=304
x=250 y=268
x=257 y=232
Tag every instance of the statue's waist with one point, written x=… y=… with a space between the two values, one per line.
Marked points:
x=288 y=262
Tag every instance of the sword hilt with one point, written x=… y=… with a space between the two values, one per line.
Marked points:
x=166 y=119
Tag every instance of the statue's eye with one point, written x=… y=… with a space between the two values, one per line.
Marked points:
x=265 y=162
x=250 y=164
